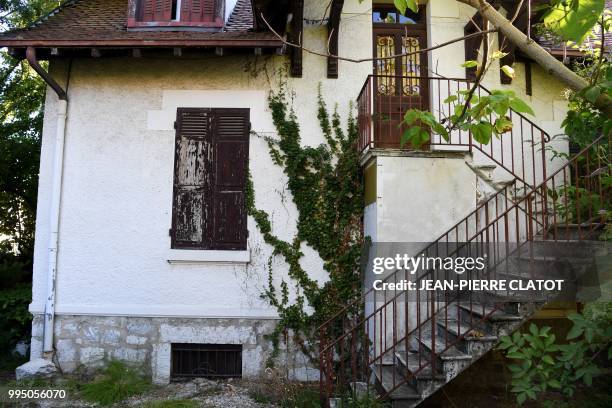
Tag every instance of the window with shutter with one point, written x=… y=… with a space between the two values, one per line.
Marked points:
x=175 y=13
x=210 y=171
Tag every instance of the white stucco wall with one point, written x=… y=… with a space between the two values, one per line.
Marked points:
x=118 y=171
x=117 y=190
x=419 y=197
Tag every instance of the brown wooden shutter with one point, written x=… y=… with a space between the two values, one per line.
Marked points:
x=192 y=181
x=198 y=10
x=156 y=10
x=231 y=151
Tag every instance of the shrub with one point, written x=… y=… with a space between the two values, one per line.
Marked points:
x=14 y=316
x=116 y=383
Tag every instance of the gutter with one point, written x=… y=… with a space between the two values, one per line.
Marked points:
x=56 y=192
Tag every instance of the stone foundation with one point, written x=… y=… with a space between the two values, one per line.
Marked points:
x=86 y=343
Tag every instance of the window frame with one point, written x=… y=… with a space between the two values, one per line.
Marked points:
x=134 y=20
x=209 y=241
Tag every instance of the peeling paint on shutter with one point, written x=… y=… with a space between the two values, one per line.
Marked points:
x=192 y=181
x=231 y=152
x=198 y=10
x=210 y=172
x=156 y=10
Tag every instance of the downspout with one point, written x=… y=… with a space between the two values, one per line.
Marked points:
x=56 y=192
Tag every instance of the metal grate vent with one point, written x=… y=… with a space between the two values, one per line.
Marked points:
x=191 y=360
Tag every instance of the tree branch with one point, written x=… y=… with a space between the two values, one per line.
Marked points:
x=359 y=60
x=536 y=52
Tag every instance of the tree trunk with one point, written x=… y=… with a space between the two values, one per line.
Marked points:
x=537 y=53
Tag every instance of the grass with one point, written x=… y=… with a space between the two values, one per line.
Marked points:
x=116 y=383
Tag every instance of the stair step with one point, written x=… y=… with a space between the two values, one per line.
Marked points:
x=493 y=314
x=420 y=367
x=563 y=248
x=576 y=231
x=462 y=328
x=384 y=374
x=514 y=296
x=450 y=353
x=487 y=167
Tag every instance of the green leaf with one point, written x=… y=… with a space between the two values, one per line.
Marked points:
x=411 y=116
x=441 y=130
x=548 y=359
x=610 y=353
x=574 y=21
x=413 y=5
x=575 y=332
x=498 y=55
x=588 y=335
x=544 y=330
x=533 y=329
x=482 y=132
x=591 y=94
x=521 y=398
x=451 y=98
x=531 y=394
x=521 y=106
x=509 y=71
x=401 y=5
x=516 y=356
x=470 y=64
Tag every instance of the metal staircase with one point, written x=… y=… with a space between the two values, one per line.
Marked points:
x=404 y=345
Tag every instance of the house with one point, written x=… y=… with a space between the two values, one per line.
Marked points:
x=154 y=117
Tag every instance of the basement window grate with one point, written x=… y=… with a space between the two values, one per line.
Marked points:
x=190 y=360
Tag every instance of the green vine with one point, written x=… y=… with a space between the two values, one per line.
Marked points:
x=325 y=182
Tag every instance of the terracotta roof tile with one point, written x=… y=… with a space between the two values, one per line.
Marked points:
x=102 y=23
x=241 y=18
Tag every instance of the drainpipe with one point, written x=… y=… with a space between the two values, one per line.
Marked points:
x=56 y=192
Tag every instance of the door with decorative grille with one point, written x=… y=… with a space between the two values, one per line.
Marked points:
x=400 y=80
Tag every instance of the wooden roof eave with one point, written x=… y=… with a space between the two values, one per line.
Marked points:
x=229 y=43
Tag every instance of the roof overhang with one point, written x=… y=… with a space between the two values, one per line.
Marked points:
x=239 y=43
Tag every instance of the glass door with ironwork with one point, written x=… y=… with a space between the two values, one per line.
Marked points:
x=399 y=79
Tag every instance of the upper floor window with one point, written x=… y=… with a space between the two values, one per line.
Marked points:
x=175 y=13
x=390 y=15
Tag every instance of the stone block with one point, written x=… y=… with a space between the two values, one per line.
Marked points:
x=111 y=337
x=38 y=368
x=130 y=355
x=137 y=340
x=91 y=355
x=66 y=351
x=91 y=333
x=139 y=326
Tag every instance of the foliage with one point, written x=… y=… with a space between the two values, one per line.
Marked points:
x=574 y=19
x=15 y=319
x=21 y=105
x=21 y=102
x=483 y=116
x=402 y=5
x=325 y=182
x=541 y=364
x=303 y=398
x=117 y=383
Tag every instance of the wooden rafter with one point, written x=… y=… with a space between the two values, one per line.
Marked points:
x=296 y=35
x=333 y=27
x=472 y=45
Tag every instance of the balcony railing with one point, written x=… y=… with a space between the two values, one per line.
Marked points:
x=520 y=152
